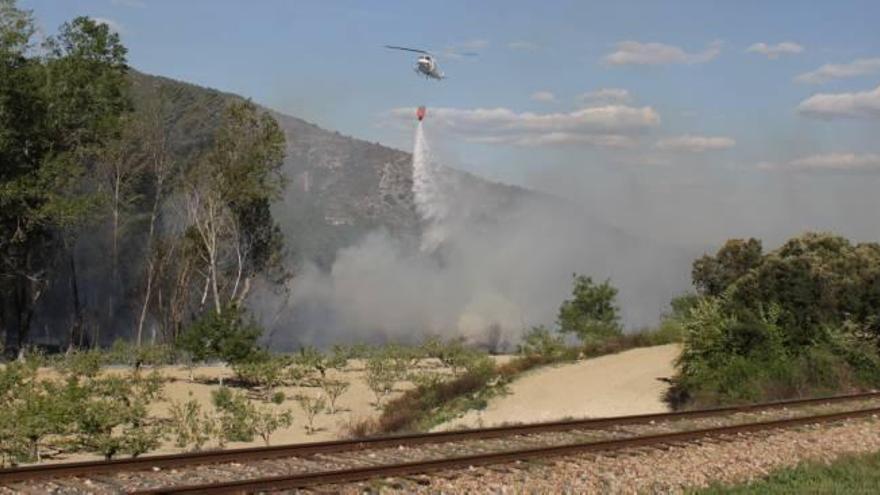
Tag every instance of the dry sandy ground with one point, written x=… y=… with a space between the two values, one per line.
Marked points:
x=610 y=385
x=357 y=402
x=613 y=385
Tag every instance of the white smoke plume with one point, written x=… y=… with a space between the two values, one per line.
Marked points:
x=471 y=274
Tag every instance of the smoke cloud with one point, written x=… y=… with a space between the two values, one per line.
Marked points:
x=472 y=275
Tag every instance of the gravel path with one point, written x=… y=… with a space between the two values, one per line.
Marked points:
x=674 y=470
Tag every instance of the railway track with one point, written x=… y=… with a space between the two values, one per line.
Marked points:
x=320 y=463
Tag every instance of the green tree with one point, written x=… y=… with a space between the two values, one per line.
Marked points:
x=56 y=113
x=801 y=319
x=591 y=313
x=817 y=280
x=225 y=335
x=86 y=92
x=227 y=195
x=712 y=274
x=23 y=146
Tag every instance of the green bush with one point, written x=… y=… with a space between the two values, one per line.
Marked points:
x=235 y=415
x=591 y=313
x=382 y=374
x=111 y=414
x=539 y=341
x=311 y=406
x=333 y=389
x=189 y=426
x=225 y=335
x=267 y=374
x=129 y=354
x=268 y=420
x=80 y=364
x=312 y=361
x=453 y=354
x=728 y=360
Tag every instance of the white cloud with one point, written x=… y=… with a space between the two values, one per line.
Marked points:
x=829 y=162
x=606 y=96
x=543 y=96
x=774 y=51
x=560 y=138
x=828 y=72
x=465 y=48
x=524 y=46
x=129 y=3
x=608 y=126
x=113 y=25
x=636 y=53
x=830 y=105
x=695 y=144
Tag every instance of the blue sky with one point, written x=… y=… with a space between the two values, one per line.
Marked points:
x=585 y=99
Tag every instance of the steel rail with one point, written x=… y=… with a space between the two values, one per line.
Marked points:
x=421 y=467
x=85 y=468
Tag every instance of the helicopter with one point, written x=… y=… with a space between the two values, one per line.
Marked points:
x=426 y=64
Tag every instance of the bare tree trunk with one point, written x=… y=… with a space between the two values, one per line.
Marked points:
x=161 y=169
x=151 y=262
x=215 y=290
x=76 y=326
x=147 y=293
x=114 y=268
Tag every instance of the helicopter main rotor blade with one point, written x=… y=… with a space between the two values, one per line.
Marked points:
x=406 y=49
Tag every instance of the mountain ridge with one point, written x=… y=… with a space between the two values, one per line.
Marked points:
x=340 y=186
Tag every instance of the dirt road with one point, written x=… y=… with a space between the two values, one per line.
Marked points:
x=613 y=385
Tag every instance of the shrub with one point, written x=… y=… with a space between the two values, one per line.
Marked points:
x=267 y=421
x=190 y=427
x=591 y=313
x=333 y=389
x=430 y=404
x=382 y=374
x=235 y=415
x=112 y=417
x=311 y=406
x=353 y=351
x=80 y=364
x=728 y=359
x=311 y=360
x=33 y=409
x=126 y=353
x=267 y=374
x=225 y=335
x=539 y=341
x=453 y=354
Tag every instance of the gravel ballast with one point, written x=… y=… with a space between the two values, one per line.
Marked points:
x=673 y=470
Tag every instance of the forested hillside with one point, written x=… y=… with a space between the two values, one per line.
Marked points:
x=129 y=207
x=100 y=237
